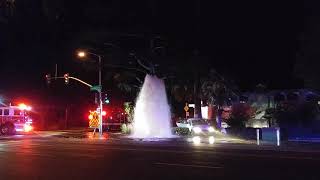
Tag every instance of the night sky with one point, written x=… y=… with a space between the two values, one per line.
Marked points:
x=252 y=43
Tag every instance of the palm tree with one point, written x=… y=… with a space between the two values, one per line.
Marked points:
x=128 y=82
x=219 y=92
x=181 y=92
x=3 y=99
x=8 y=9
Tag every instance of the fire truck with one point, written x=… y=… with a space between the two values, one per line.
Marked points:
x=15 y=119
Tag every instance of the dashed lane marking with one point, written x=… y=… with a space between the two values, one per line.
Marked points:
x=188 y=165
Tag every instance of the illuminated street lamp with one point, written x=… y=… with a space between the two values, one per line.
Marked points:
x=83 y=54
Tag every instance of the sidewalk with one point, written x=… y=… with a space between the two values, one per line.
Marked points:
x=307 y=140
x=220 y=140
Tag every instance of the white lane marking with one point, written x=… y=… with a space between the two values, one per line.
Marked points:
x=188 y=165
x=205 y=163
x=29 y=154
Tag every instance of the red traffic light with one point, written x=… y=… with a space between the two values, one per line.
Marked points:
x=66 y=78
x=48 y=78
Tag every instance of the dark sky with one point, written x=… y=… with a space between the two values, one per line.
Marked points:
x=250 y=42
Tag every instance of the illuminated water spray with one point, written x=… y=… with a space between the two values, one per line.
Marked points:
x=152 y=118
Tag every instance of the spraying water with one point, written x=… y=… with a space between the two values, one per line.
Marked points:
x=152 y=113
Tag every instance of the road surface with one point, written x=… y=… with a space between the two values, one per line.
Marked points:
x=64 y=158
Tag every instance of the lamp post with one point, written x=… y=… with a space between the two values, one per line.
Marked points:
x=83 y=54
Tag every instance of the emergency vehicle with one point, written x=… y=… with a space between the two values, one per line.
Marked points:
x=14 y=119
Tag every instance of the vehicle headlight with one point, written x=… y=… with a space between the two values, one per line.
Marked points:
x=211 y=129
x=27 y=128
x=197 y=130
x=196 y=140
x=211 y=140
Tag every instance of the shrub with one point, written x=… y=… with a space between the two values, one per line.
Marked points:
x=126 y=128
x=182 y=131
x=129 y=109
x=239 y=115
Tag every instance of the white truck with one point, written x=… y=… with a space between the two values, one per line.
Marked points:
x=15 y=119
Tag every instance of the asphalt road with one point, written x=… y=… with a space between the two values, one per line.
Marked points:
x=65 y=158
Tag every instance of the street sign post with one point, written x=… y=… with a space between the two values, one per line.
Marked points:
x=93 y=119
x=186 y=109
x=96 y=88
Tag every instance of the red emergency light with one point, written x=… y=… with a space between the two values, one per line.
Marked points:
x=23 y=106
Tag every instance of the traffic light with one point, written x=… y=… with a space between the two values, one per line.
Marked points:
x=66 y=78
x=48 y=78
x=106 y=99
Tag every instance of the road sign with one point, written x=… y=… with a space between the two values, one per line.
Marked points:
x=186 y=108
x=96 y=88
x=93 y=120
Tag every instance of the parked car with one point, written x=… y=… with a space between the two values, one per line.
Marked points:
x=224 y=125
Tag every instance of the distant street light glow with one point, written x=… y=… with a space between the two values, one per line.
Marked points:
x=81 y=54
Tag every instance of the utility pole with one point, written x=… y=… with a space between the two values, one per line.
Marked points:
x=56 y=72
x=82 y=54
x=66 y=118
x=196 y=89
x=100 y=96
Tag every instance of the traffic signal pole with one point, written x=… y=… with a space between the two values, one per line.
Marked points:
x=49 y=78
x=66 y=77
x=100 y=97
x=97 y=88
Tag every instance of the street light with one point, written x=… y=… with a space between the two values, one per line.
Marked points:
x=83 y=54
